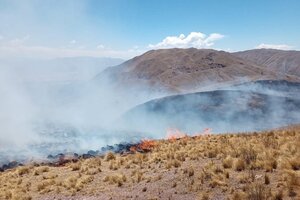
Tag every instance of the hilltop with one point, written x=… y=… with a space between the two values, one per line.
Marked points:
x=185 y=70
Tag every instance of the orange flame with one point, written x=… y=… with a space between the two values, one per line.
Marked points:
x=206 y=132
x=145 y=146
x=174 y=134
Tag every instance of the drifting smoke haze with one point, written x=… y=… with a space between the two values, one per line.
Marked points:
x=41 y=117
x=17 y=112
x=48 y=116
x=65 y=90
x=230 y=110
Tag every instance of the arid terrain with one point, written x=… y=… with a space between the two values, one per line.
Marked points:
x=188 y=70
x=149 y=100
x=276 y=60
x=254 y=166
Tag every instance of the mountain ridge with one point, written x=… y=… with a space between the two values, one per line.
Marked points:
x=185 y=70
x=283 y=61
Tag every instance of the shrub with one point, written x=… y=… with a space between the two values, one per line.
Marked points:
x=205 y=196
x=173 y=163
x=23 y=170
x=248 y=154
x=44 y=184
x=239 y=165
x=75 y=166
x=227 y=162
x=40 y=170
x=257 y=192
x=116 y=179
x=110 y=156
x=295 y=163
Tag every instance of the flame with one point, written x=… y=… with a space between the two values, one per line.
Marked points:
x=145 y=146
x=206 y=132
x=174 y=134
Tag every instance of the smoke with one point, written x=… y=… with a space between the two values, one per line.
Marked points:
x=41 y=116
x=46 y=117
x=252 y=106
x=16 y=112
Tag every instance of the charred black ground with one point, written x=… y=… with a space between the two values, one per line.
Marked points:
x=261 y=106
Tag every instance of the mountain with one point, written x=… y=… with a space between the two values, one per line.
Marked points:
x=287 y=62
x=184 y=70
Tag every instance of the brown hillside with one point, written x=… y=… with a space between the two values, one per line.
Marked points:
x=183 y=70
x=276 y=60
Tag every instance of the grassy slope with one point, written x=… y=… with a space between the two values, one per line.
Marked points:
x=232 y=166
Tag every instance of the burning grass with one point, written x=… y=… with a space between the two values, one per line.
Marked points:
x=206 y=166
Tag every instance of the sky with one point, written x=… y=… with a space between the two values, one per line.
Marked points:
x=126 y=28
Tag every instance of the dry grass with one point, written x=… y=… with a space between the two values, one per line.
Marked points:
x=249 y=166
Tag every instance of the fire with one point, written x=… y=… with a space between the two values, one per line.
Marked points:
x=174 y=134
x=206 y=132
x=144 y=146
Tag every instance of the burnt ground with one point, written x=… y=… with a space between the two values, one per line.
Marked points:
x=222 y=110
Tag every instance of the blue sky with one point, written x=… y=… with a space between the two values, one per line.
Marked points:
x=119 y=28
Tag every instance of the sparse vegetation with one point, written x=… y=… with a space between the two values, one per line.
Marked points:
x=249 y=166
x=239 y=164
x=110 y=156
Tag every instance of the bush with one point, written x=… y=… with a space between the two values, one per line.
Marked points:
x=227 y=162
x=110 y=156
x=239 y=165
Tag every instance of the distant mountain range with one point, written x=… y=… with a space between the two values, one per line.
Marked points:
x=287 y=62
x=189 y=70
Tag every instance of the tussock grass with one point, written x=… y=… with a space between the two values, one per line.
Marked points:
x=247 y=166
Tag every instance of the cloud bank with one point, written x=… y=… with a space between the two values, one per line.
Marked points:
x=274 y=46
x=194 y=39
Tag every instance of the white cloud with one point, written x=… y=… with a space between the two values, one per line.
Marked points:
x=194 y=39
x=1 y=37
x=274 y=46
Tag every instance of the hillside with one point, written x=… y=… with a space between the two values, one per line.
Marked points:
x=287 y=62
x=222 y=110
x=248 y=166
x=182 y=70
